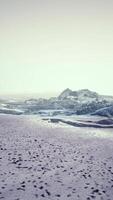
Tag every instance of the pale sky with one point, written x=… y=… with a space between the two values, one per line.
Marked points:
x=49 y=45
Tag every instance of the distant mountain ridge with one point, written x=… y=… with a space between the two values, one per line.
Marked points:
x=84 y=92
x=69 y=102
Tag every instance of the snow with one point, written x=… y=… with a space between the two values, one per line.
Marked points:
x=40 y=160
x=10 y=109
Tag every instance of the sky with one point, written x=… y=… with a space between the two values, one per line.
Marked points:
x=47 y=46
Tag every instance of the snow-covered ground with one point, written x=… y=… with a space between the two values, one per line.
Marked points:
x=41 y=160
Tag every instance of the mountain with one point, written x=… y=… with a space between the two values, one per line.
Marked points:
x=80 y=95
x=106 y=111
x=65 y=94
x=68 y=102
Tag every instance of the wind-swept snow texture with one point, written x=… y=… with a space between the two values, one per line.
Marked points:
x=44 y=161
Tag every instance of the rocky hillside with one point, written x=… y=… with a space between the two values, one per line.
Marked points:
x=68 y=102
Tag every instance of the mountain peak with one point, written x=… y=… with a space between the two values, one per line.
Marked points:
x=87 y=92
x=77 y=94
x=67 y=90
x=65 y=93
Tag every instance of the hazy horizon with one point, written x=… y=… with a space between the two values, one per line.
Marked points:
x=48 y=46
x=40 y=95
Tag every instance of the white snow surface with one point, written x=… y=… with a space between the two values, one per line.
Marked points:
x=40 y=160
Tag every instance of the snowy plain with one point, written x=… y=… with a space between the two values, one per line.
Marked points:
x=46 y=161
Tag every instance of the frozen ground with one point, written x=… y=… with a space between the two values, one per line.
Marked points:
x=40 y=160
